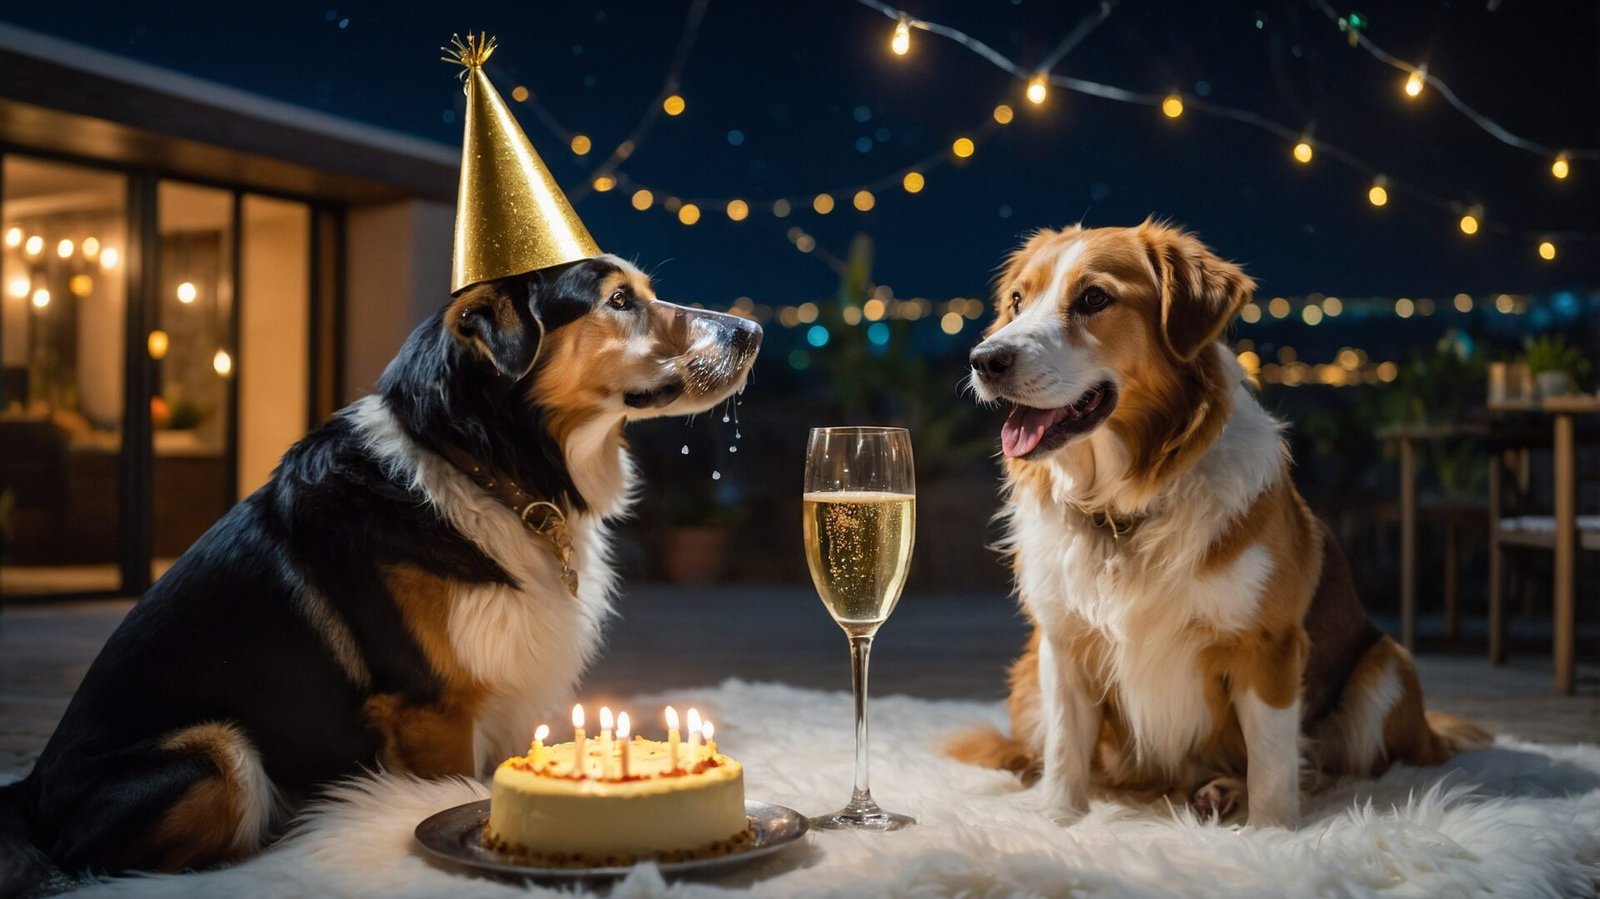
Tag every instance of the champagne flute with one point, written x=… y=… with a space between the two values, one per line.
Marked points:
x=860 y=525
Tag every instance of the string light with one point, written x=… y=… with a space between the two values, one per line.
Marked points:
x=222 y=363
x=91 y=247
x=109 y=257
x=688 y=213
x=581 y=145
x=41 y=298
x=81 y=285
x=1547 y=250
x=672 y=105
x=1278 y=308
x=520 y=94
x=34 y=246
x=913 y=182
x=187 y=293
x=13 y=237
x=901 y=42
x=1172 y=106
x=1414 y=82
x=963 y=147
x=1303 y=152
x=1378 y=194
x=738 y=210
x=603 y=183
x=157 y=343
x=1038 y=89
x=1469 y=222
x=1004 y=113
x=1333 y=306
x=1560 y=168
x=19 y=286
x=780 y=208
x=64 y=249
x=642 y=199
x=823 y=204
x=1463 y=303
x=1404 y=307
x=864 y=201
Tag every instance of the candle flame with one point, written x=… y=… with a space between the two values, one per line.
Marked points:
x=623 y=728
x=542 y=732
x=577 y=716
x=709 y=729
x=606 y=720
x=694 y=721
x=672 y=718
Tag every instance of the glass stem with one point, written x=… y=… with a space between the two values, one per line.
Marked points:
x=860 y=650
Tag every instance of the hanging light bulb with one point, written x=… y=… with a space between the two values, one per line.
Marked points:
x=41 y=297
x=222 y=363
x=13 y=236
x=1547 y=251
x=64 y=249
x=1303 y=151
x=1038 y=89
x=34 y=246
x=901 y=42
x=1172 y=106
x=1378 y=194
x=1560 y=168
x=1470 y=221
x=1415 y=81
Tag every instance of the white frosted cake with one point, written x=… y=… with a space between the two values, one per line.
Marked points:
x=541 y=813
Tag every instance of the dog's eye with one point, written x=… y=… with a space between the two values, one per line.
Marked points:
x=620 y=299
x=1016 y=301
x=1094 y=299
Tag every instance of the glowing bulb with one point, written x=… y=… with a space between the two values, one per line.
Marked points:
x=1414 y=82
x=951 y=323
x=688 y=213
x=1303 y=152
x=41 y=298
x=13 y=237
x=19 y=286
x=913 y=182
x=1404 y=307
x=864 y=201
x=1547 y=252
x=1469 y=224
x=823 y=204
x=109 y=257
x=738 y=210
x=1251 y=313
x=1378 y=195
x=1463 y=302
x=963 y=147
x=603 y=183
x=520 y=94
x=157 y=344
x=1038 y=89
x=1279 y=307
x=901 y=42
x=642 y=199
x=35 y=245
x=81 y=285
x=222 y=362
x=1172 y=107
x=1560 y=168
x=673 y=105
x=1312 y=315
x=1332 y=306
x=91 y=247
x=187 y=293
x=64 y=249
x=581 y=145
x=1003 y=114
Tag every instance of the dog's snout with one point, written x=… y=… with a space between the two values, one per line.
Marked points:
x=992 y=360
x=746 y=337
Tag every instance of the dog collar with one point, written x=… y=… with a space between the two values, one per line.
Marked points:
x=541 y=517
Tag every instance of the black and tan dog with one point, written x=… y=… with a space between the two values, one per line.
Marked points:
x=423 y=575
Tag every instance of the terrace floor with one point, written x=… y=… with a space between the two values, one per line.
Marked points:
x=937 y=646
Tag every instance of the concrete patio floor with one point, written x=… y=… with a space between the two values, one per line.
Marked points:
x=936 y=646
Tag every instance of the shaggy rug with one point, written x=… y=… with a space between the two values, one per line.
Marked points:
x=1518 y=819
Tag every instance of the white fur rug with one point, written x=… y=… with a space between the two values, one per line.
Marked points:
x=1516 y=820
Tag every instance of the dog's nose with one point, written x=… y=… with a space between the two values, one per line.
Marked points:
x=746 y=337
x=992 y=361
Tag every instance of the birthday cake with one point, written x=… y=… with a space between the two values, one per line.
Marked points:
x=662 y=805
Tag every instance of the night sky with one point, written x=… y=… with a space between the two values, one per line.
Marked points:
x=818 y=103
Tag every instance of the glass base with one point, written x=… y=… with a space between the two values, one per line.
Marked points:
x=862 y=816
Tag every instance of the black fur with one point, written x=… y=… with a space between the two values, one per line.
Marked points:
x=221 y=637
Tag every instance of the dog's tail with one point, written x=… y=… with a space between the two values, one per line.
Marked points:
x=1453 y=734
x=22 y=866
x=988 y=747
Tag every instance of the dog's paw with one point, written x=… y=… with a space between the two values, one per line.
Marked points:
x=1218 y=799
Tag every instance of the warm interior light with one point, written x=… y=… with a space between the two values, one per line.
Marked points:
x=581 y=144
x=1547 y=251
x=222 y=362
x=13 y=237
x=1038 y=89
x=41 y=298
x=157 y=344
x=1560 y=168
x=1003 y=114
x=1378 y=195
x=1172 y=107
x=187 y=293
x=688 y=213
x=963 y=147
x=673 y=105
x=823 y=204
x=901 y=42
x=91 y=247
x=81 y=285
x=603 y=183
x=109 y=257
x=19 y=286
x=913 y=182
x=738 y=210
x=1469 y=224
x=864 y=201
x=64 y=249
x=35 y=245
x=1303 y=152
x=642 y=199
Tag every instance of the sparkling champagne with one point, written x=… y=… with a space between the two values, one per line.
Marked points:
x=858 y=545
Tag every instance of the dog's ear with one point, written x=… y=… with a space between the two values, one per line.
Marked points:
x=497 y=319
x=1200 y=292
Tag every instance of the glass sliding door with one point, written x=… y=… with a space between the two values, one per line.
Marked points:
x=274 y=371
x=63 y=306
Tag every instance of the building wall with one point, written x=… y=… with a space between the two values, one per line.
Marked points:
x=275 y=370
x=397 y=259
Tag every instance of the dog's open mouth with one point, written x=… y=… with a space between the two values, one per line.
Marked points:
x=1028 y=431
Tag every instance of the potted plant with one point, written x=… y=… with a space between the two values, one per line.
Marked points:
x=698 y=525
x=1556 y=364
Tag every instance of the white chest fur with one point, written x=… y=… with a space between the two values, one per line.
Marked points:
x=1144 y=593
x=527 y=643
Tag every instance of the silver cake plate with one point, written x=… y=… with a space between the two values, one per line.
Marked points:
x=456 y=835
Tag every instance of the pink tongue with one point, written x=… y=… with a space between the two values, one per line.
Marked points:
x=1025 y=427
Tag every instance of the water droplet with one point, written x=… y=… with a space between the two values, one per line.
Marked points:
x=725 y=418
x=732 y=448
x=737 y=434
x=685 y=449
x=716 y=476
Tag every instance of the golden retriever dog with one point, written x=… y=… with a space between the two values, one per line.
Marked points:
x=1196 y=629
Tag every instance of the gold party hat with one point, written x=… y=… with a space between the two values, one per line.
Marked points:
x=511 y=217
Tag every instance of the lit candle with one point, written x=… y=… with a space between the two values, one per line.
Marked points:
x=622 y=738
x=672 y=738
x=579 y=741
x=606 y=723
x=536 y=751
x=711 y=744
x=694 y=738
